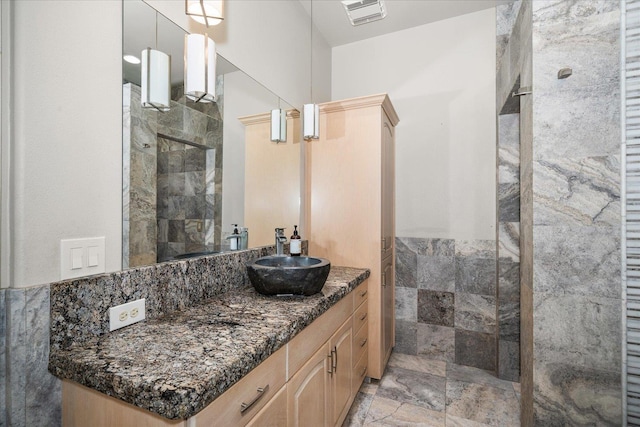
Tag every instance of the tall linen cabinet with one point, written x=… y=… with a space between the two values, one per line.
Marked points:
x=350 y=181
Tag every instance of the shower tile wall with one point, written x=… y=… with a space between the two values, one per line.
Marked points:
x=508 y=306
x=445 y=300
x=172 y=191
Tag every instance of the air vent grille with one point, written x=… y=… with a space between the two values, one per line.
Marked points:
x=364 y=11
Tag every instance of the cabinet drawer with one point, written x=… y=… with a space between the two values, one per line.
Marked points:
x=359 y=372
x=360 y=294
x=360 y=316
x=255 y=390
x=360 y=342
x=274 y=414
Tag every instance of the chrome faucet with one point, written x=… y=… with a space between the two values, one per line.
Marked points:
x=281 y=239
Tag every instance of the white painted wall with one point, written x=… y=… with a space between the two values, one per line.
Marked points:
x=441 y=79
x=66 y=125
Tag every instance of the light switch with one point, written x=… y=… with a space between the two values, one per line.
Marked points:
x=82 y=257
x=94 y=256
x=76 y=258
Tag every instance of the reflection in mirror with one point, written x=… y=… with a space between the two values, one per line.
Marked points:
x=184 y=169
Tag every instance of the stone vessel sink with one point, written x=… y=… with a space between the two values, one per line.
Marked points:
x=281 y=275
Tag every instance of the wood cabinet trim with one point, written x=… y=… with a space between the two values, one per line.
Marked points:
x=381 y=100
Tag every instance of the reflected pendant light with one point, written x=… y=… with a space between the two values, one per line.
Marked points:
x=311 y=121
x=205 y=12
x=199 y=68
x=278 y=125
x=156 y=80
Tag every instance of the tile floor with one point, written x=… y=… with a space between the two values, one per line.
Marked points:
x=416 y=391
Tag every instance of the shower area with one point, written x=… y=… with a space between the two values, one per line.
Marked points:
x=172 y=177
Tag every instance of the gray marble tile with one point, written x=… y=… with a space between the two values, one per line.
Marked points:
x=387 y=412
x=358 y=412
x=482 y=403
x=508 y=148
x=418 y=364
x=569 y=395
x=176 y=207
x=577 y=192
x=476 y=248
x=3 y=357
x=163 y=230
x=475 y=312
x=509 y=320
x=437 y=247
x=16 y=355
x=436 y=273
x=176 y=184
x=436 y=308
x=195 y=160
x=406 y=337
x=577 y=260
x=416 y=388
x=506 y=15
x=195 y=207
x=176 y=231
x=546 y=12
x=577 y=330
x=44 y=391
x=407 y=304
x=508 y=281
x=590 y=46
x=436 y=342
x=509 y=202
x=453 y=421
x=406 y=265
x=508 y=360
x=476 y=276
x=163 y=162
x=509 y=240
x=470 y=374
x=176 y=161
x=475 y=349
x=194 y=183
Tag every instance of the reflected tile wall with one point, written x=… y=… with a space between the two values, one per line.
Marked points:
x=445 y=300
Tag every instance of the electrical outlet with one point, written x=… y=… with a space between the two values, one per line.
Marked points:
x=126 y=314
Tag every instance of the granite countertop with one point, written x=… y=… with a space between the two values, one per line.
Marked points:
x=176 y=365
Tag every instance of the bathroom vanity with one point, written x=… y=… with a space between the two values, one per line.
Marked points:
x=238 y=358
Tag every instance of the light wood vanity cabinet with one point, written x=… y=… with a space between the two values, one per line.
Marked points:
x=311 y=381
x=350 y=180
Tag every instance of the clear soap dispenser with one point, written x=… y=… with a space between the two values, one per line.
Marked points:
x=234 y=239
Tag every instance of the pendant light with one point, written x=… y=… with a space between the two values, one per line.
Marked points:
x=199 y=68
x=278 y=125
x=207 y=12
x=311 y=112
x=155 y=77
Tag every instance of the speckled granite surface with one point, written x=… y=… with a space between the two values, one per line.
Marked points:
x=192 y=356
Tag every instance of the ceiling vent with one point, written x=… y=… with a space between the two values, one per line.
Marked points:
x=364 y=11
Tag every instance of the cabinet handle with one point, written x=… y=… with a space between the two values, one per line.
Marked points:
x=261 y=392
x=384 y=275
x=335 y=361
x=384 y=244
x=330 y=356
x=363 y=371
x=364 y=293
x=364 y=316
x=364 y=341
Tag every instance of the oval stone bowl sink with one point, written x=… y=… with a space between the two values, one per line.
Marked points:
x=298 y=275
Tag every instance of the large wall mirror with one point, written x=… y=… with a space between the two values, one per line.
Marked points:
x=186 y=171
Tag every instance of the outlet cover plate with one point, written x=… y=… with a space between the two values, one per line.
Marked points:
x=126 y=314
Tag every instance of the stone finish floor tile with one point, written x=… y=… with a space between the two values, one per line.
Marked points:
x=473 y=397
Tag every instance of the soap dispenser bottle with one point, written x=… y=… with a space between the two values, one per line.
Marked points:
x=244 y=238
x=295 y=244
x=234 y=239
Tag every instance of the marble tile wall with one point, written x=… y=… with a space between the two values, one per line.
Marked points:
x=33 y=395
x=576 y=214
x=172 y=192
x=508 y=257
x=3 y=358
x=446 y=300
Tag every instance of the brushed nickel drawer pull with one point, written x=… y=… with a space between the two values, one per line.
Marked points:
x=330 y=356
x=364 y=316
x=364 y=341
x=261 y=392
x=364 y=292
x=335 y=361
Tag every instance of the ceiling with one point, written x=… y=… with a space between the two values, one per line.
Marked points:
x=331 y=20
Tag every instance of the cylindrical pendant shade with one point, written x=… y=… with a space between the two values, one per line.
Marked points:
x=199 y=68
x=207 y=12
x=278 y=125
x=156 y=80
x=311 y=121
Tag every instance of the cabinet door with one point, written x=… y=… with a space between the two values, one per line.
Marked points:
x=308 y=392
x=388 y=188
x=274 y=413
x=388 y=307
x=341 y=346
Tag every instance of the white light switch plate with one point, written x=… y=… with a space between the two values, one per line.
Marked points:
x=126 y=314
x=82 y=257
